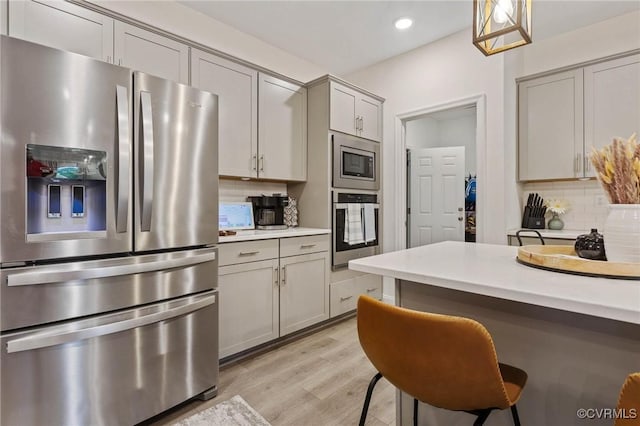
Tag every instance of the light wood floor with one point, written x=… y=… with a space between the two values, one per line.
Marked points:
x=319 y=380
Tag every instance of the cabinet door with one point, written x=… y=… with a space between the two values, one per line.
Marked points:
x=237 y=90
x=611 y=102
x=151 y=53
x=342 y=109
x=550 y=132
x=282 y=130
x=248 y=305
x=370 y=112
x=304 y=291
x=63 y=26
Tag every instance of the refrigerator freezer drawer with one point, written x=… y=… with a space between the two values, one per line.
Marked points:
x=36 y=295
x=119 y=368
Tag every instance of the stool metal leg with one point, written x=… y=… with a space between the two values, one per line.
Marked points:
x=482 y=417
x=514 y=413
x=415 y=412
x=367 y=399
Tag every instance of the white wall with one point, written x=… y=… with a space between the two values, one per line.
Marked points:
x=448 y=69
x=178 y=19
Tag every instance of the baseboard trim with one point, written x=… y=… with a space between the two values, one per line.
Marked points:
x=282 y=341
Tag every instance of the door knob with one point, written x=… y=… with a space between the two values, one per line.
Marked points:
x=459 y=209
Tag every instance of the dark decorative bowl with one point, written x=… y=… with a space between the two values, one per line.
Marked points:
x=591 y=246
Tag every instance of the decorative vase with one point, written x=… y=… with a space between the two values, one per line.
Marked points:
x=555 y=223
x=622 y=233
x=590 y=246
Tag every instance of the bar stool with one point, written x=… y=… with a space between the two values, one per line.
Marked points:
x=629 y=402
x=444 y=361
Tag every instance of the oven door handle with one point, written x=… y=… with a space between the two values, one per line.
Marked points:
x=65 y=335
x=344 y=206
x=46 y=276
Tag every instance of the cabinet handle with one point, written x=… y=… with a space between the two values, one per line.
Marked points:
x=579 y=163
x=371 y=290
x=587 y=164
x=284 y=275
x=342 y=299
x=108 y=59
x=307 y=246
x=248 y=253
x=361 y=123
x=277 y=273
x=262 y=163
x=254 y=162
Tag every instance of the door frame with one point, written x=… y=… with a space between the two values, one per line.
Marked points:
x=479 y=101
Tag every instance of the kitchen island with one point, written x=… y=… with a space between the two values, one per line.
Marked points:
x=576 y=337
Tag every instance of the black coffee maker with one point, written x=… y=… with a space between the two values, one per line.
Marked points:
x=268 y=211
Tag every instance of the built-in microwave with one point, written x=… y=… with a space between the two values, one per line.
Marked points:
x=356 y=163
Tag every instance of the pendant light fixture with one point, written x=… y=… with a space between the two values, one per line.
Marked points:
x=500 y=25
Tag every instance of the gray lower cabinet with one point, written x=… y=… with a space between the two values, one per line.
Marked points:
x=304 y=293
x=345 y=293
x=264 y=296
x=249 y=307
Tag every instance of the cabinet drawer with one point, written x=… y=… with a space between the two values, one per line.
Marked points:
x=250 y=251
x=303 y=245
x=344 y=294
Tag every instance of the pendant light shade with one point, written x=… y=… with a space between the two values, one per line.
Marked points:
x=500 y=25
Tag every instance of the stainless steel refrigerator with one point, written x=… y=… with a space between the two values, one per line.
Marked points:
x=108 y=209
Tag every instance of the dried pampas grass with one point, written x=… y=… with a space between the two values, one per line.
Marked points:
x=618 y=167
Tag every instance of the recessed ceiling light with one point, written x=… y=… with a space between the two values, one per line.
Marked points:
x=403 y=23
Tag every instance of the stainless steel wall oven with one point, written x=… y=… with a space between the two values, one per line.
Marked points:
x=359 y=211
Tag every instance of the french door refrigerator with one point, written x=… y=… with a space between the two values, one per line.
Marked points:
x=108 y=209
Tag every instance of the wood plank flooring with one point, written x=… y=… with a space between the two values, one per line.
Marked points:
x=320 y=380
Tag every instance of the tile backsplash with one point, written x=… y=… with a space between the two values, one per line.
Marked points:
x=588 y=204
x=238 y=190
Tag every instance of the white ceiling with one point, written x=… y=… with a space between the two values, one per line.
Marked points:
x=344 y=36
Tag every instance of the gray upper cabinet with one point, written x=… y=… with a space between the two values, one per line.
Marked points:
x=550 y=130
x=282 y=129
x=562 y=116
x=611 y=102
x=237 y=90
x=148 y=52
x=355 y=113
x=62 y=25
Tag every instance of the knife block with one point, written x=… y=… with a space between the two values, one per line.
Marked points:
x=532 y=222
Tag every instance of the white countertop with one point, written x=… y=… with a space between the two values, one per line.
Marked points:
x=492 y=270
x=567 y=234
x=259 y=234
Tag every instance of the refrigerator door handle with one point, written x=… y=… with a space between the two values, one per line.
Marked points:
x=45 y=276
x=122 y=197
x=146 y=162
x=66 y=335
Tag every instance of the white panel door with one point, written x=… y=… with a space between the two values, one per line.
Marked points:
x=237 y=90
x=436 y=195
x=248 y=305
x=611 y=102
x=370 y=111
x=304 y=291
x=62 y=25
x=151 y=53
x=550 y=131
x=343 y=103
x=282 y=129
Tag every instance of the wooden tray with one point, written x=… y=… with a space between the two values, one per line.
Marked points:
x=564 y=259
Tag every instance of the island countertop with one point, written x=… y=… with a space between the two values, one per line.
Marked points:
x=492 y=270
